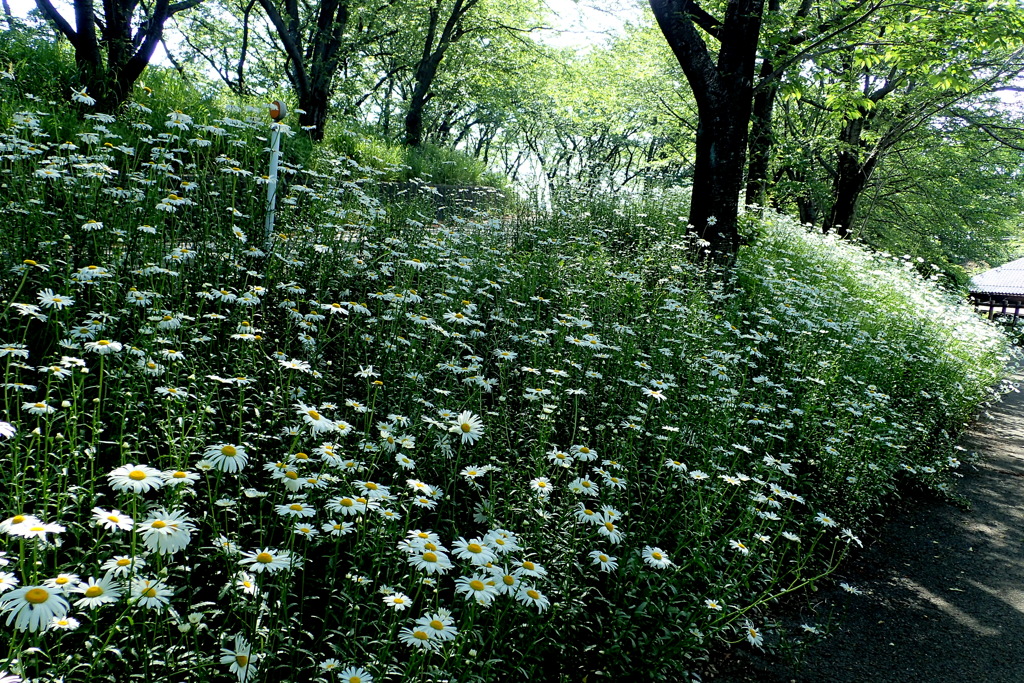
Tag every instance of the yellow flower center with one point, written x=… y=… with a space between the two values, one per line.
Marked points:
x=436 y=625
x=93 y=592
x=346 y=502
x=123 y=562
x=429 y=546
x=301 y=456
x=229 y=451
x=159 y=524
x=29 y=262
x=474 y=548
x=313 y=414
x=603 y=558
x=103 y=342
x=466 y=427
x=370 y=486
x=297 y=507
x=37 y=596
x=534 y=595
x=429 y=557
x=422 y=635
x=656 y=556
x=61 y=580
x=476 y=585
x=609 y=526
x=508 y=580
x=584 y=450
x=290 y=474
x=529 y=566
x=243 y=660
x=264 y=558
x=114 y=518
x=179 y=475
x=17 y=519
x=136 y=475
x=149 y=593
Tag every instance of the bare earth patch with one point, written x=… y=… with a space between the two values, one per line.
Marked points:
x=943 y=587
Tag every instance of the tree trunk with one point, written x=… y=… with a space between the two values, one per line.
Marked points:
x=852 y=176
x=315 y=106
x=851 y=179
x=109 y=81
x=313 y=62
x=724 y=92
x=414 y=117
x=315 y=101
x=720 y=151
x=426 y=70
x=762 y=138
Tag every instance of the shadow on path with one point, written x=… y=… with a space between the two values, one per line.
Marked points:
x=943 y=587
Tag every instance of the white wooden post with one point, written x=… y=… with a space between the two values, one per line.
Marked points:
x=277 y=112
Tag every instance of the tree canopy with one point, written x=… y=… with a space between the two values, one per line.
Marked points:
x=838 y=112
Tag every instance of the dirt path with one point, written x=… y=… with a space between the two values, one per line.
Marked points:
x=943 y=587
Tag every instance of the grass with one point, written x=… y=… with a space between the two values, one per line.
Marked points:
x=398 y=163
x=550 y=446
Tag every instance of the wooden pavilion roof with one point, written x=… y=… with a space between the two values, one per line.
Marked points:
x=1006 y=280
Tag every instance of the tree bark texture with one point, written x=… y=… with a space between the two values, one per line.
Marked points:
x=434 y=48
x=762 y=137
x=312 y=62
x=856 y=161
x=111 y=60
x=852 y=176
x=723 y=91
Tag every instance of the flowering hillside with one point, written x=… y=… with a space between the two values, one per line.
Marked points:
x=376 y=446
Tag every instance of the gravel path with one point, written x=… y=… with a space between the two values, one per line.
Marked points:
x=943 y=586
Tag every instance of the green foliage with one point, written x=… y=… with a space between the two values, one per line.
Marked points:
x=400 y=163
x=40 y=66
x=949 y=197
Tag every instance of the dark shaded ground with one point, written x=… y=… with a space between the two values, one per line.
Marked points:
x=943 y=586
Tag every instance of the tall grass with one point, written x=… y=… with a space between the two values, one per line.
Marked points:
x=396 y=162
x=379 y=447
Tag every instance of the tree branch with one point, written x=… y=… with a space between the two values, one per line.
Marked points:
x=62 y=24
